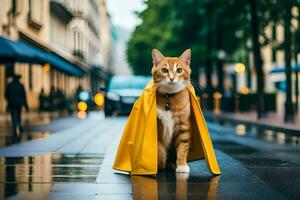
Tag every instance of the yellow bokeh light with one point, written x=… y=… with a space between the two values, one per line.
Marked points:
x=82 y=106
x=239 y=68
x=47 y=67
x=99 y=99
x=245 y=90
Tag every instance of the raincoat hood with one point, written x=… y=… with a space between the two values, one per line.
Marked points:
x=138 y=149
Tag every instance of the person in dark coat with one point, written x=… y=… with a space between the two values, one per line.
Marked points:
x=52 y=99
x=16 y=98
x=42 y=101
x=61 y=101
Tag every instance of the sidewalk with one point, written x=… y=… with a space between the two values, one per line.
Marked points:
x=32 y=117
x=274 y=121
x=35 y=126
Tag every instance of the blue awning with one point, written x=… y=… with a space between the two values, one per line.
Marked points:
x=20 y=51
x=282 y=69
x=11 y=51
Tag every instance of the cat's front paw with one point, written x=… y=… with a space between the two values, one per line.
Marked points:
x=182 y=169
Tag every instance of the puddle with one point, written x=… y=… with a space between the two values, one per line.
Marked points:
x=25 y=177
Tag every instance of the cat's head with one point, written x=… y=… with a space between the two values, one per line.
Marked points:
x=171 y=74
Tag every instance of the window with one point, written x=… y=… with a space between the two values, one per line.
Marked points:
x=35 y=15
x=14 y=6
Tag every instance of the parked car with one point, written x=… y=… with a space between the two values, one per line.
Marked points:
x=122 y=92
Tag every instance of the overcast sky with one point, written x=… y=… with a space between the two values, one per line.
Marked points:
x=122 y=12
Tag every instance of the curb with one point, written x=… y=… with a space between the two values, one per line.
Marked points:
x=226 y=117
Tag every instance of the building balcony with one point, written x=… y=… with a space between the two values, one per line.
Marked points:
x=79 y=54
x=60 y=8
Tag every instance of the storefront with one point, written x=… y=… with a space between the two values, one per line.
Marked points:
x=40 y=69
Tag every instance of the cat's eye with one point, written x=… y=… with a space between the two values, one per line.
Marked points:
x=178 y=70
x=164 y=70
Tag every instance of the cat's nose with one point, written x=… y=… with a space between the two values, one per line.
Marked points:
x=172 y=79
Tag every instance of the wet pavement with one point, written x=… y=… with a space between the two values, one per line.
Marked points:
x=273 y=157
x=33 y=177
x=36 y=126
x=252 y=168
x=76 y=163
x=8 y=138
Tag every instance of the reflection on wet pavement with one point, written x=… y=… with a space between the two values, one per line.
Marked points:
x=235 y=182
x=33 y=177
x=271 y=167
x=36 y=126
x=173 y=186
x=7 y=138
x=272 y=136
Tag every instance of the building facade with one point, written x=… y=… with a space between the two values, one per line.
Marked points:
x=69 y=29
x=105 y=36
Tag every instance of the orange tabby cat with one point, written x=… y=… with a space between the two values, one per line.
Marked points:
x=170 y=76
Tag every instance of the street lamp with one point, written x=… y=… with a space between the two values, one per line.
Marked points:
x=239 y=68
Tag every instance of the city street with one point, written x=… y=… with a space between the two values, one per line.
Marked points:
x=75 y=162
x=72 y=70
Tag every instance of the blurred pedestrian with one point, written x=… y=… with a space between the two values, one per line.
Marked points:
x=16 y=98
x=69 y=105
x=61 y=101
x=42 y=101
x=52 y=100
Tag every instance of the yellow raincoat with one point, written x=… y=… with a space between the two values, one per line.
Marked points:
x=138 y=148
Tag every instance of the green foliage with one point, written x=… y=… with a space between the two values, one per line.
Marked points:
x=152 y=33
x=173 y=26
x=271 y=13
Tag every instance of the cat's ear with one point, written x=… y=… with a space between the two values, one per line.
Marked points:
x=185 y=57
x=157 y=57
